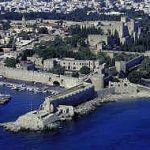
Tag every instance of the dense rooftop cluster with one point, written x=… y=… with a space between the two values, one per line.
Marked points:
x=62 y=6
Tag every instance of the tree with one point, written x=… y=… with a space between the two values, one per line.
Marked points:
x=108 y=61
x=84 y=54
x=24 y=35
x=6 y=25
x=73 y=41
x=10 y=62
x=85 y=70
x=75 y=74
x=60 y=48
x=135 y=76
x=83 y=32
x=58 y=70
x=116 y=36
x=43 y=30
x=27 y=53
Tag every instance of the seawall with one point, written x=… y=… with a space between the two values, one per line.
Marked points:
x=71 y=97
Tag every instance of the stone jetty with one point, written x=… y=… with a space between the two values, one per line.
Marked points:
x=76 y=101
x=29 y=122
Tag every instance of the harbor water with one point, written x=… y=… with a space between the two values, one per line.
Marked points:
x=114 y=126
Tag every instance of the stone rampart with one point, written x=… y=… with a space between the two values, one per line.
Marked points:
x=75 y=97
x=143 y=88
x=105 y=92
x=71 y=97
x=134 y=62
x=124 y=86
x=111 y=53
x=35 y=76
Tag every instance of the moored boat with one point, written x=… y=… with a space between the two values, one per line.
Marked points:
x=3 y=101
x=4 y=98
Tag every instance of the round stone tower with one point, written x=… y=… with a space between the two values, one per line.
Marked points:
x=97 y=78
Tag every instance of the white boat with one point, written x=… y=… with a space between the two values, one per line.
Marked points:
x=22 y=88
x=15 y=87
x=1 y=84
x=5 y=96
x=44 y=91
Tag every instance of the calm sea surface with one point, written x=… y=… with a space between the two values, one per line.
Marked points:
x=114 y=126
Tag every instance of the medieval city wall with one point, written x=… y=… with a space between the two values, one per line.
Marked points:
x=78 y=96
x=105 y=92
x=34 y=76
x=75 y=97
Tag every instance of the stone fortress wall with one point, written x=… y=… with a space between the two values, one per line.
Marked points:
x=61 y=106
x=105 y=92
x=34 y=76
x=52 y=79
x=75 y=96
x=77 y=91
x=127 y=66
x=124 y=86
x=58 y=107
x=134 y=62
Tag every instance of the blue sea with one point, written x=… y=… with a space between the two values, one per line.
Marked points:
x=113 y=126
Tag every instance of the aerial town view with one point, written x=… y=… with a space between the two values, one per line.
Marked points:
x=75 y=74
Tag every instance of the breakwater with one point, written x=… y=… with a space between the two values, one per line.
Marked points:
x=25 y=122
x=54 y=109
x=126 y=123
x=77 y=100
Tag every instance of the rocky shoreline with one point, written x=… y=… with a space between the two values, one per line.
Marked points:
x=89 y=106
x=79 y=110
x=11 y=126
